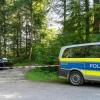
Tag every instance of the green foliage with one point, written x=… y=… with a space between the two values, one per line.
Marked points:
x=48 y=53
x=43 y=74
x=24 y=33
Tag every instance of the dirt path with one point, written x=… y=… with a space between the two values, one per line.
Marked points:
x=13 y=86
x=11 y=75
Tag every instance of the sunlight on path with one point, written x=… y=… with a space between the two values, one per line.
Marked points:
x=9 y=96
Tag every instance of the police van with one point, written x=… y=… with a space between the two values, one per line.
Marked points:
x=80 y=62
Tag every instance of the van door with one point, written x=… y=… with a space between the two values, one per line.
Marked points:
x=92 y=69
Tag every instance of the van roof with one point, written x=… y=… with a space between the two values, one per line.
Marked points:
x=77 y=45
x=80 y=45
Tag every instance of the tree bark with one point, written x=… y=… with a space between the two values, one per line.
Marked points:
x=31 y=34
x=4 y=27
x=0 y=46
x=17 y=42
x=87 y=23
x=64 y=21
x=96 y=26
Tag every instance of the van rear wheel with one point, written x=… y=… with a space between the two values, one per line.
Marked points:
x=76 y=78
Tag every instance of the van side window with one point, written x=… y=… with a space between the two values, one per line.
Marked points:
x=67 y=53
x=82 y=52
x=78 y=52
x=94 y=52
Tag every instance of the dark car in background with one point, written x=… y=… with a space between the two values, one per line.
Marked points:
x=5 y=63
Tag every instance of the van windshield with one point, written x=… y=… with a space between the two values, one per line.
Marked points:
x=82 y=52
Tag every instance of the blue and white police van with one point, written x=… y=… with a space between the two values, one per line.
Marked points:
x=80 y=62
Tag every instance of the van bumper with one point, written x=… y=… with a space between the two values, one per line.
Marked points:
x=64 y=73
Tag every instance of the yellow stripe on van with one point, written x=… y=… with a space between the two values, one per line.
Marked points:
x=91 y=73
x=79 y=59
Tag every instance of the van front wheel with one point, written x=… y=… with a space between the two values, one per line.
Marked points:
x=76 y=78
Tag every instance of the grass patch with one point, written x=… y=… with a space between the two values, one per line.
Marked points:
x=43 y=74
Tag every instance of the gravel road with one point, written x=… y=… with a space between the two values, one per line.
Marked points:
x=13 y=86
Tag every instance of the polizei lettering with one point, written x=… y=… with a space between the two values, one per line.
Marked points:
x=94 y=66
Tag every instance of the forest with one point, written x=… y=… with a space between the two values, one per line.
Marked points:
x=25 y=33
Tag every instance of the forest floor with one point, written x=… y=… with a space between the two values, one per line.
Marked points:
x=13 y=86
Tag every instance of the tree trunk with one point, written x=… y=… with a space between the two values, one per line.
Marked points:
x=4 y=27
x=31 y=34
x=64 y=21
x=0 y=46
x=87 y=32
x=17 y=42
x=26 y=39
x=26 y=31
x=96 y=26
x=79 y=21
x=19 y=33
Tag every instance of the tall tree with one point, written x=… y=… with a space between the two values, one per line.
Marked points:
x=87 y=32
x=97 y=16
x=3 y=26
x=65 y=11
